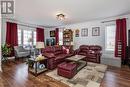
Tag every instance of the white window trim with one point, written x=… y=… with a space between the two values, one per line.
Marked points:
x=108 y=50
x=22 y=35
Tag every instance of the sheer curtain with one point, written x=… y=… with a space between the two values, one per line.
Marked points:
x=60 y=36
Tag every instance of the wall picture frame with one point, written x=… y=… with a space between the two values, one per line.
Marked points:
x=96 y=31
x=84 y=32
x=52 y=33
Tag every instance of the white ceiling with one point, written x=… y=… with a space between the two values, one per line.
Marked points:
x=43 y=12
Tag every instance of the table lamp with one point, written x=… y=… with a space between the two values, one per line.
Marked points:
x=40 y=45
x=72 y=43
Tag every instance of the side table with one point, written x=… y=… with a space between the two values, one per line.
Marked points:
x=33 y=66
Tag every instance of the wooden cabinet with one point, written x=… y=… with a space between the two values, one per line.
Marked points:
x=67 y=37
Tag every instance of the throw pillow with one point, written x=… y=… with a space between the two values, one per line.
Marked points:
x=91 y=51
x=65 y=50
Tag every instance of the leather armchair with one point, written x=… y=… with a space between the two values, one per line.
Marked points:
x=94 y=53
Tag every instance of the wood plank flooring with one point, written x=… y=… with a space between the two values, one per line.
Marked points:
x=16 y=75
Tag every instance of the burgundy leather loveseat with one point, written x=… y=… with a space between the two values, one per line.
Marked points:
x=56 y=55
x=92 y=52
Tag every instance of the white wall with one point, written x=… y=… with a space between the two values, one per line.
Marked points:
x=99 y=40
x=47 y=33
x=108 y=56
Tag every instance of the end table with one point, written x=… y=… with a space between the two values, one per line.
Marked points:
x=33 y=66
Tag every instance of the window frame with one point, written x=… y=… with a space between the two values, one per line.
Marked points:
x=22 y=36
x=61 y=36
x=27 y=33
x=111 y=50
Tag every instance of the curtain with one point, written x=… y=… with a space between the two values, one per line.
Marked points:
x=40 y=35
x=57 y=35
x=11 y=36
x=121 y=38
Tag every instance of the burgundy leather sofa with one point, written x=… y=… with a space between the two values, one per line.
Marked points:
x=92 y=52
x=56 y=55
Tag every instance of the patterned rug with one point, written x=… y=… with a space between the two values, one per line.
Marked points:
x=90 y=76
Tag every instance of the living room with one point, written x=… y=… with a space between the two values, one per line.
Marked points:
x=65 y=43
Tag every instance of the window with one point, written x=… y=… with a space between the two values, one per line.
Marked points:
x=19 y=37
x=60 y=37
x=34 y=38
x=26 y=37
x=110 y=37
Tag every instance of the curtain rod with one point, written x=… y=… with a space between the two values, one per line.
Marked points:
x=109 y=21
x=25 y=24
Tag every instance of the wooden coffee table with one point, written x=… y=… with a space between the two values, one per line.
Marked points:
x=78 y=60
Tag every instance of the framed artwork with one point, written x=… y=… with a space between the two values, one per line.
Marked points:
x=52 y=33
x=84 y=32
x=77 y=33
x=96 y=31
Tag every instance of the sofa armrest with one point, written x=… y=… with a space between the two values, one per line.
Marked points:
x=72 y=52
x=76 y=51
x=50 y=60
x=98 y=53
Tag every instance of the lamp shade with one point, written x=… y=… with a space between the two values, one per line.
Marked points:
x=72 y=43
x=40 y=45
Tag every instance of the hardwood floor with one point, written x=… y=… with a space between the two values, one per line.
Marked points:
x=16 y=75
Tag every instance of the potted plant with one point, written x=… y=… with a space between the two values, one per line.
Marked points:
x=6 y=51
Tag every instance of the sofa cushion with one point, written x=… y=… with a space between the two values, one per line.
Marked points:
x=84 y=47
x=49 y=55
x=58 y=52
x=20 y=49
x=84 y=50
x=91 y=56
x=95 y=48
x=60 y=56
x=48 y=49
x=91 y=51
x=82 y=53
x=57 y=48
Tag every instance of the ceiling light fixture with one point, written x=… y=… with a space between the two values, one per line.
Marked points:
x=60 y=17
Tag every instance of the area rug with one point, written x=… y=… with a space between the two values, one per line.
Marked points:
x=90 y=76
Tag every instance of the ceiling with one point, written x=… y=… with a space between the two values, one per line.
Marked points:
x=43 y=12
